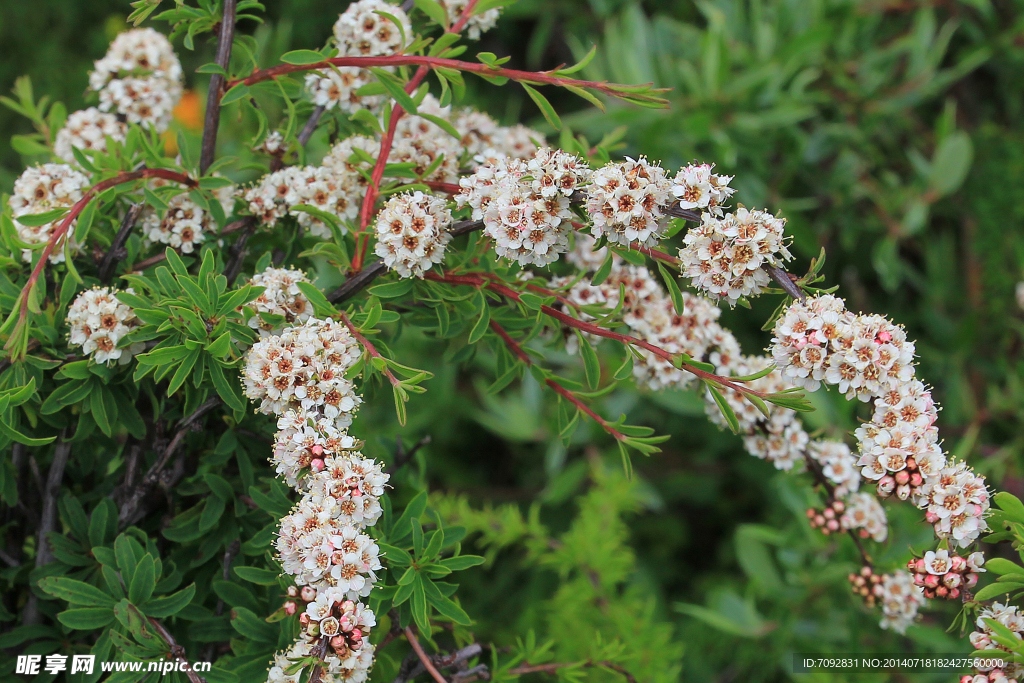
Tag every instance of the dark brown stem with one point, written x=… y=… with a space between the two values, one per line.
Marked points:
x=782 y=279
x=48 y=518
x=237 y=251
x=442 y=662
x=223 y=60
x=307 y=130
x=374 y=269
x=116 y=251
x=320 y=652
x=130 y=508
x=177 y=651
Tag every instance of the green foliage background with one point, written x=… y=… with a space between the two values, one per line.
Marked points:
x=888 y=133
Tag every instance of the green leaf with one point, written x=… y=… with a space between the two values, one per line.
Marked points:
x=591 y=364
x=169 y=605
x=482 y=323
x=545 y=107
x=451 y=610
x=75 y=592
x=433 y=10
x=951 y=163
x=236 y=93
x=87 y=618
x=252 y=627
x=144 y=581
x=262 y=577
x=227 y=391
x=460 y=562
x=1001 y=565
x=395 y=88
x=391 y=290
x=302 y=57
x=321 y=306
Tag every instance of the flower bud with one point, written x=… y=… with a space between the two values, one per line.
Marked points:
x=916 y=480
x=829 y=513
x=951 y=580
x=903 y=491
x=317 y=465
x=931 y=581
x=289 y=608
x=304 y=619
x=957 y=563
x=833 y=525
x=293 y=592
x=338 y=644
x=971 y=580
x=308 y=593
x=954 y=593
x=839 y=506
x=942 y=591
x=902 y=477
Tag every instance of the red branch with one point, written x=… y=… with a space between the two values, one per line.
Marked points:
x=476 y=280
x=57 y=235
x=424 y=658
x=370 y=348
x=518 y=351
x=529 y=77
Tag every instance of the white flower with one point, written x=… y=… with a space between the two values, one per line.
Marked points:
x=956 y=501
x=723 y=257
x=87 y=130
x=838 y=465
x=525 y=206
x=302 y=440
x=478 y=23
x=98 y=322
x=337 y=87
x=277 y=194
x=363 y=30
x=900 y=600
x=864 y=512
x=184 y=226
x=805 y=336
x=412 y=233
x=281 y=296
x=625 y=201
x=937 y=562
x=140 y=78
x=303 y=369
x=698 y=187
x=40 y=189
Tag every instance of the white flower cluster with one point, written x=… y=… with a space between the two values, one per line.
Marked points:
x=982 y=639
x=412 y=233
x=817 y=340
x=278 y=193
x=943 y=575
x=184 y=226
x=281 y=297
x=900 y=600
x=698 y=187
x=723 y=257
x=362 y=30
x=864 y=512
x=302 y=445
x=956 y=501
x=525 y=205
x=477 y=24
x=354 y=668
x=900 y=446
x=322 y=546
x=838 y=464
x=483 y=139
x=87 y=130
x=322 y=542
x=98 y=322
x=139 y=78
x=38 y=190
x=303 y=369
x=626 y=201
x=432 y=154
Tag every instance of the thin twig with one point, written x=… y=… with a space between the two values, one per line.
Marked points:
x=442 y=662
x=130 y=508
x=116 y=251
x=424 y=658
x=177 y=651
x=368 y=346
x=237 y=251
x=223 y=60
x=783 y=279
x=48 y=519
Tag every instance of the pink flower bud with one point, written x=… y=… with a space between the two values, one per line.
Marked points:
x=348 y=606
x=919 y=579
x=920 y=566
x=839 y=506
x=956 y=563
x=317 y=449
x=884 y=336
x=916 y=480
x=317 y=465
x=902 y=477
x=308 y=593
x=356 y=634
x=951 y=580
x=338 y=642
x=885 y=486
x=863 y=533
x=971 y=580
x=811 y=512
x=833 y=525
x=293 y=592
x=966 y=679
x=911 y=463
x=819 y=520
x=304 y=619
x=942 y=591
x=356 y=493
x=289 y=608
x=931 y=517
x=954 y=593
x=931 y=581
x=903 y=491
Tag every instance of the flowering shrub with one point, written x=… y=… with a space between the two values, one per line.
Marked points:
x=149 y=295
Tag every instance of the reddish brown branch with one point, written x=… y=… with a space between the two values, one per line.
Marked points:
x=369 y=347
x=424 y=658
x=223 y=59
x=529 y=77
